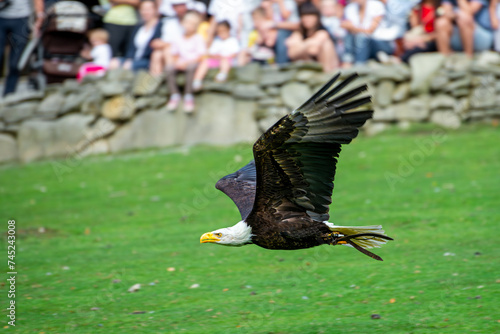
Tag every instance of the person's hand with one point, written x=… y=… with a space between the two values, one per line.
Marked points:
x=157 y=43
x=38 y=24
x=267 y=25
x=412 y=42
x=495 y=23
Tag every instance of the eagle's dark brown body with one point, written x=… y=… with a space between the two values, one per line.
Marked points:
x=295 y=233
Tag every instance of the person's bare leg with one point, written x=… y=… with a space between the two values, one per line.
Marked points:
x=243 y=58
x=297 y=48
x=166 y=57
x=328 y=57
x=225 y=65
x=156 y=66
x=465 y=23
x=321 y=47
x=202 y=70
x=444 y=29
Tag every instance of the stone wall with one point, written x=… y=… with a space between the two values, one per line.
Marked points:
x=123 y=111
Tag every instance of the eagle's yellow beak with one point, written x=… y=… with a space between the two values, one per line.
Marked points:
x=208 y=237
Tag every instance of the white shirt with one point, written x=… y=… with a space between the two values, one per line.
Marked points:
x=101 y=55
x=171 y=30
x=374 y=9
x=141 y=40
x=227 y=10
x=224 y=47
x=291 y=5
x=333 y=25
x=189 y=49
x=17 y=9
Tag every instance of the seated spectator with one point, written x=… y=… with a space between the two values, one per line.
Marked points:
x=362 y=19
x=221 y=54
x=120 y=21
x=332 y=13
x=312 y=41
x=100 y=54
x=495 y=22
x=465 y=25
x=171 y=31
x=185 y=55
x=286 y=20
x=262 y=40
x=139 y=49
x=395 y=22
x=226 y=11
x=421 y=37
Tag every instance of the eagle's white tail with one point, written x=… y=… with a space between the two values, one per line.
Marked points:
x=363 y=241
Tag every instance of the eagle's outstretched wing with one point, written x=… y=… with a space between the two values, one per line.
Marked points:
x=296 y=158
x=240 y=187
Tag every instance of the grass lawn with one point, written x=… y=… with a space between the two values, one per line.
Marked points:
x=88 y=229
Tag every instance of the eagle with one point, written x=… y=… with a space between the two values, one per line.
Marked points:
x=284 y=194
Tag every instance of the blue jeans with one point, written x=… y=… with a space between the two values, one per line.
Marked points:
x=16 y=32
x=361 y=47
x=137 y=64
x=280 y=48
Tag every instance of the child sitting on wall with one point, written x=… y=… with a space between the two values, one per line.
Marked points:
x=185 y=54
x=221 y=54
x=100 y=54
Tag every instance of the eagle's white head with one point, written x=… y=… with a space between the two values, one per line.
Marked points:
x=237 y=235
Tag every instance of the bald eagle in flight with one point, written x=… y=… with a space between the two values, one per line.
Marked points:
x=284 y=194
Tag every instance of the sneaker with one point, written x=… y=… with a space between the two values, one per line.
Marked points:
x=383 y=57
x=188 y=104
x=173 y=103
x=197 y=85
x=221 y=77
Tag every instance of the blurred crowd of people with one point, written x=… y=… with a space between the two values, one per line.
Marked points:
x=170 y=36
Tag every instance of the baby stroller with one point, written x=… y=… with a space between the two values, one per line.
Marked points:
x=54 y=56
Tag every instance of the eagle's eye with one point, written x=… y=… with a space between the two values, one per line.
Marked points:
x=218 y=235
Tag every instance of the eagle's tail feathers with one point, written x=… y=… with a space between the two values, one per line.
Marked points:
x=360 y=237
x=364 y=236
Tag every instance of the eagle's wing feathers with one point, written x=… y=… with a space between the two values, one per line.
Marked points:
x=240 y=187
x=296 y=158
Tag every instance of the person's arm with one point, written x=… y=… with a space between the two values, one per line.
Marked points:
x=287 y=25
x=284 y=12
x=475 y=6
x=471 y=7
x=448 y=11
x=374 y=24
x=39 y=7
x=495 y=24
x=414 y=19
x=349 y=26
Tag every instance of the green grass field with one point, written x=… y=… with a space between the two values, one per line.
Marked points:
x=88 y=229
